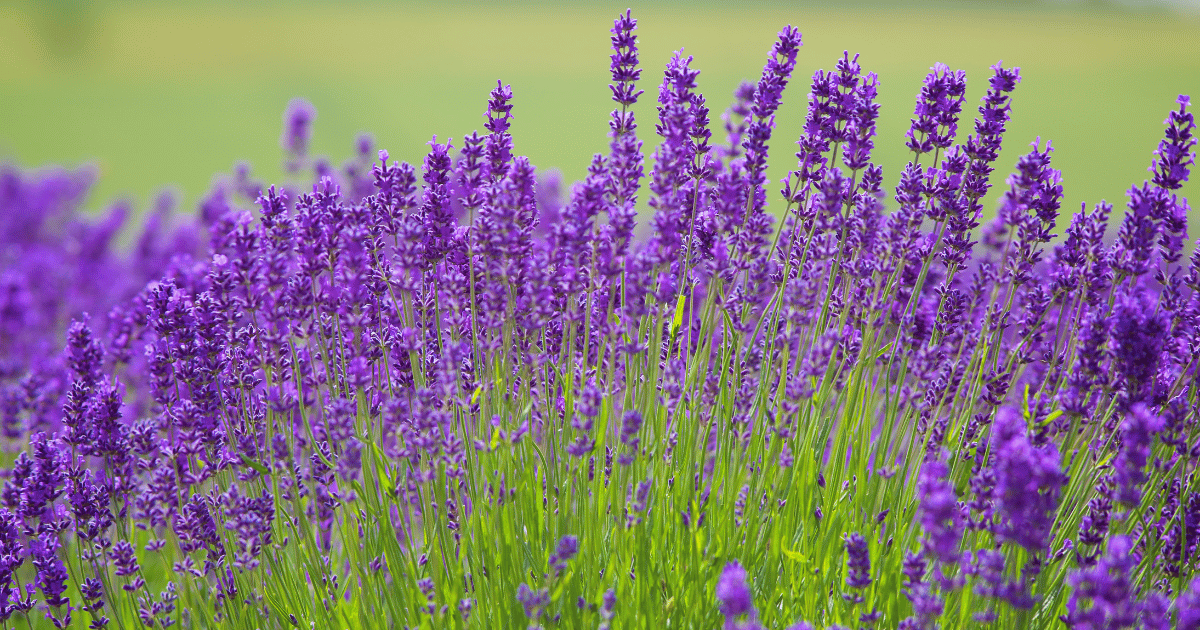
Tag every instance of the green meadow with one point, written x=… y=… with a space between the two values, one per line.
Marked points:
x=170 y=94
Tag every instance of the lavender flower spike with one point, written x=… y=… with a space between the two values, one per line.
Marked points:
x=941 y=519
x=436 y=395
x=1137 y=433
x=568 y=547
x=733 y=592
x=1028 y=484
x=499 y=143
x=767 y=96
x=938 y=106
x=1188 y=606
x=858 y=561
x=1174 y=156
x=297 y=131
x=625 y=160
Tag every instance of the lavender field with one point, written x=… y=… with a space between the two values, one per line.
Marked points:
x=465 y=393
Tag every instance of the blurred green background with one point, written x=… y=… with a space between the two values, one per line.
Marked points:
x=161 y=94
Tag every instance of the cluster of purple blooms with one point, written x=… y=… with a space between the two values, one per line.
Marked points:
x=446 y=395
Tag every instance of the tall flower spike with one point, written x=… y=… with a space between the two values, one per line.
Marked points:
x=981 y=150
x=297 y=131
x=699 y=135
x=858 y=561
x=1174 y=156
x=938 y=106
x=734 y=593
x=736 y=118
x=673 y=158
x=1102 y=595
x=814 y=142
x=1030 y=209
x=625 y=72
x=499 y=142
x=470 y=173
x=846 y=77
x=941 y=518
x=51 y=575
x=1132 y=252
x=1139 y=335
x=860 y=129
x=436 y=208
x=1171 y=167
x=625 y=162
x=768 y=94
x=1129 y=467
x=1028 y=484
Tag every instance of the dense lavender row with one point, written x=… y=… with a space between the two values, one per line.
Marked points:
x=443 y=397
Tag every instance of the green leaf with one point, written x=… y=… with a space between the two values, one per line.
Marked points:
x=677 y=321
x=562 y=585
x=1054 y=415
x=255 y=465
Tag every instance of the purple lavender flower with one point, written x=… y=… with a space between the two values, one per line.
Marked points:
x=564 y=552
x=625 y=162
x=1132 y=253
x=607 y=610
x=1171 y=167
x=1137 y=432
x=860 y=126
x=1174 y=157
x=938 y=106
x=768 y=94
x=1188 y=607
x=941 y=517
x=733 y=593
x=1102 y=596
x=534 y=602
x=981 y=151
x=499 y=144
x=39 y=480
x=631 y=424
x=51 y=575
x=858 y=562
x=92 y=591
x=1094 y=527
x=673 y=160
x=436 y=206
x=1138 y=334
x=1029 y=210
x=297 y=131
x=124 y=559
x=12 y=556
x=992 y=581
x=1028 y=483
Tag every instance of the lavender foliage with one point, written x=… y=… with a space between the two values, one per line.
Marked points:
x=438 y=393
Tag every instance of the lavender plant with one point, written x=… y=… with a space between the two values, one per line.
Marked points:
x=441 y=396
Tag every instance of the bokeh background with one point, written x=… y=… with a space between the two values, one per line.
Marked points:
x=171 y=93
